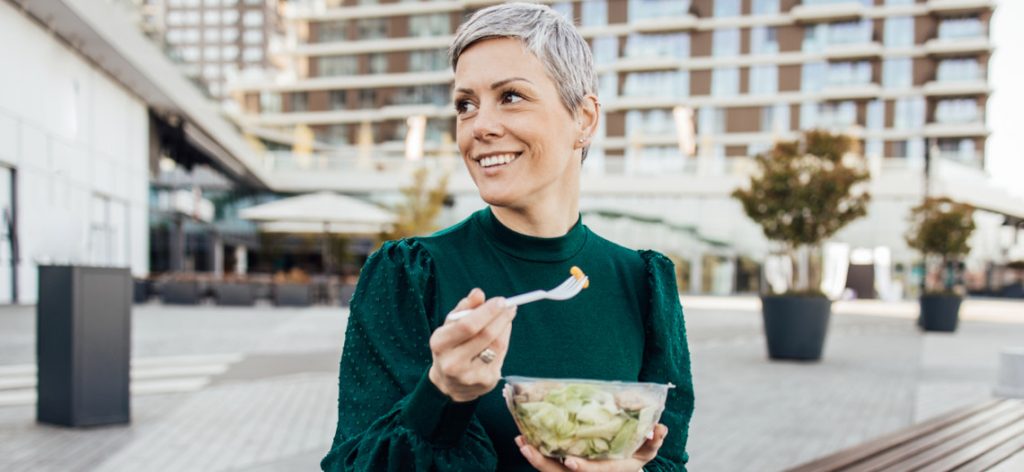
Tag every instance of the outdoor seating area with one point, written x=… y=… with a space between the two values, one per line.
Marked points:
x=984 y=437
x=293 y=289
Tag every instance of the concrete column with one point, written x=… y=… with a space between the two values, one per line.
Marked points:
x=241 y=260
x=697 y=273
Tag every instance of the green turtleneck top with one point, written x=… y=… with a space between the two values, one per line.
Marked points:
x=628 y=325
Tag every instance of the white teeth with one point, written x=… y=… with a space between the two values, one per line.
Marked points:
x=500 y=159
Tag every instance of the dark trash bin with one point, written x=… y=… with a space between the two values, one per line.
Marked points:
x=83 y=345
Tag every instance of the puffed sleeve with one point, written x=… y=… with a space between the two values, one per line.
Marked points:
x=390 y=416
x=667 y=360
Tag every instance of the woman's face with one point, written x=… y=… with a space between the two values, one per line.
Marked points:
x=518 y=140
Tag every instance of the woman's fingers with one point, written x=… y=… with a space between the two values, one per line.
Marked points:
x=538 y=460
x=649 y=450
x=490 y=336
x=454 y=333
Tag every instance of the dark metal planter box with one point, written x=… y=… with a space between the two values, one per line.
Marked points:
x=795 y=326
x=140 y=291
x=83 y=345
x=939 y=313
x=293 y=295
x=234 y=294
x=179 y=293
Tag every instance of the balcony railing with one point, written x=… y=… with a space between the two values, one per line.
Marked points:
x=820 y=11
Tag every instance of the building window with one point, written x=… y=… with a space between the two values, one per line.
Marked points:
x=876 y=116
x=958 y=149
x=378 y=63
x=951 y=70
x=650 y=123
x=211 y=53
x=595 y=13
x=822 y=35
x=253 y=37
x=437 y=24
x=212 y=17
x=229 y=17
x=337 y=99
x=229 y=53
x=647 y=9
x=669 y=84
x=606 y=49
x=899 y=2
x=775 y=119
x=961 y=27
x=673 y=45
x=765 y=7
x=190 y=54
x=725 y=42
x=843 y=74
x=211 y=35
x=899 y=31
x=229 y=35
x=764 y=79
x=337 y=65
x=608 y=85
x=959 y=110
x=300 y=101
x=253 y=18
x=211 y=72
x=372 y=28
x=428 y=60
x=330 y=31
x=252 y=54
x=367 y=98
x=726 y=8
x=837 y=115
x=564 y=9
x=710 y=120
x=909 y=113
x=812 y=77
x=898 y=73
x=764 y=40
x=725 y=82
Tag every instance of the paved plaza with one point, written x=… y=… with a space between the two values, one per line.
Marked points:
x=225 y=389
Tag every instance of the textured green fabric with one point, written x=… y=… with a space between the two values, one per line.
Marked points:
x=627 y=326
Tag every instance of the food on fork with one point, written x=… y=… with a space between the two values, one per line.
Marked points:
x=578 y=273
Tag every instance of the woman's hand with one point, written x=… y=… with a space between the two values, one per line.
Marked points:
x=458 y=369
x=647 y=452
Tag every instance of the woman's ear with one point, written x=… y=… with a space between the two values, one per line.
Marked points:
x=588 y=115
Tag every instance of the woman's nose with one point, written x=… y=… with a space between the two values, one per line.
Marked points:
x=487 y=124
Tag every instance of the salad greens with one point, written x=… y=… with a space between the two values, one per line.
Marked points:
x=584 y=420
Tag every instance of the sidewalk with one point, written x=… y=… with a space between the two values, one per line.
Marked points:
x=266 y=398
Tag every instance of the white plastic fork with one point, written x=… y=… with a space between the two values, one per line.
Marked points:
x=566 y=290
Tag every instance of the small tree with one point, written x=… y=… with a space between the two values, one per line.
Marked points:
x=804 y=192
x=940 y=228
x=418 y=213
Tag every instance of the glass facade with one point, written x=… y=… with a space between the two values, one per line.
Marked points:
x=725 y=42
x=725 y=82
x=899 y=31
x=961 y=27
x=764 y=79
x=764 y=40
x=669 y=84
x=673 y=45
x=898 y=73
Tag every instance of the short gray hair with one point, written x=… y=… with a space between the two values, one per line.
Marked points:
x=546 y=34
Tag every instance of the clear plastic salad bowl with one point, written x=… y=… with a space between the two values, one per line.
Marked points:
x=585 y=418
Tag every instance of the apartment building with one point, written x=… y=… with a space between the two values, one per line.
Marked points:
x=215 y=40
x=689 y=89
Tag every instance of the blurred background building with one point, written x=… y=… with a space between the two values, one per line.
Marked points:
x=353 y=96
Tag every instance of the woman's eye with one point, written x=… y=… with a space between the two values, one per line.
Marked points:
x=464 y=106
x=510 y=97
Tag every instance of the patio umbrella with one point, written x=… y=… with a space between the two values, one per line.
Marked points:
x=322 y=212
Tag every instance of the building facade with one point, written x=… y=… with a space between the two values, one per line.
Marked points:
x=215 y=40
x=690 y=90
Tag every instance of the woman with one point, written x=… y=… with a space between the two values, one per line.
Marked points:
x=418 y=392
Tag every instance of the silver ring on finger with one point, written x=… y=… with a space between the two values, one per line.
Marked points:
x=487 y=355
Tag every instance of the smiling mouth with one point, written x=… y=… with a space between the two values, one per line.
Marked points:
x=498 y=160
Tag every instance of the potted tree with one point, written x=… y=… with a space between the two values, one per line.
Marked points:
x=940 y=228
x=803 y=193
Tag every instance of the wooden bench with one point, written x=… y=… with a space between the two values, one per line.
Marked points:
x=985 y=437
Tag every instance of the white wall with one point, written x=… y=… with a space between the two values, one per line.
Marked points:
x=79 y=143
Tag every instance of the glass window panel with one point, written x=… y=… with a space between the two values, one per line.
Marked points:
x=725 y=42
x=812 y=78
x=564 y=9
x=726 y=8
x=909 y=113
x=959 y=110
x=959 y=69
x=437 y=24
x=725 y=82
x=764 y=79
x=674 y=45
x=337 y=65
x=961 y=27
x=647 y=9
x=328 y=31
x=595 y=13
x=372 y=28
x=876 y=115
x=899 y=31
x=427 y=61
x=378 y=63
x=606 y=49
x=765 y=7
x=764 y=40
x=898 y=73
